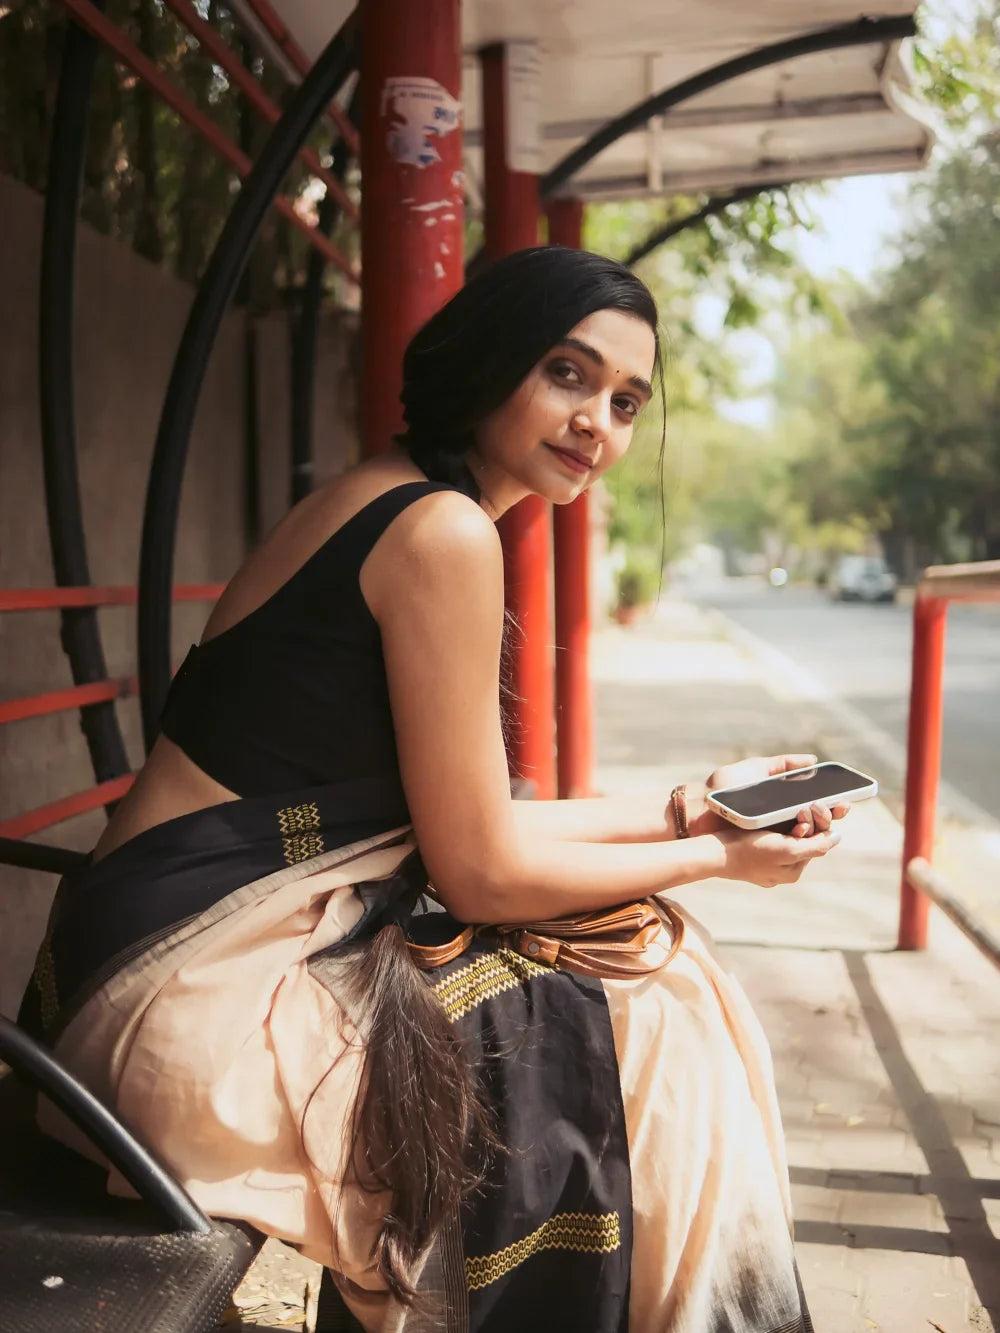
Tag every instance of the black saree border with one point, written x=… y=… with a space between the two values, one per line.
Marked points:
x=549 y=1231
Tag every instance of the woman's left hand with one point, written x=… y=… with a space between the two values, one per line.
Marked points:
x=816 y=818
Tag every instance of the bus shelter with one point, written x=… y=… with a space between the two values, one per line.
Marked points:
x=507 y=112
x=517 y=114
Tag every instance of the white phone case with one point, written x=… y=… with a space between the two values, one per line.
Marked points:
x=769 y=817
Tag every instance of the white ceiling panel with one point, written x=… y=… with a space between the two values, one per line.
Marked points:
x=835 y=113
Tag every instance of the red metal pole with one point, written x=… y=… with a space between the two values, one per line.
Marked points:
x=565 y=222
x=512 y=217
x=923 y=760
x=510 y=197
x=574 y=701
x=411 y=178
x=571 y=546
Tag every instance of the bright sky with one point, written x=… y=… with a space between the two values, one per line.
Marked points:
x=854 y=218
x=858 y=215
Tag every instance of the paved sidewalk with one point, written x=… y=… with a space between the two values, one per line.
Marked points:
x=886 y=1063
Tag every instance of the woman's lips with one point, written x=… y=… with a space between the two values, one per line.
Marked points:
x=577 y=462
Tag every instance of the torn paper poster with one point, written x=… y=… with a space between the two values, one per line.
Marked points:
x=421 y=111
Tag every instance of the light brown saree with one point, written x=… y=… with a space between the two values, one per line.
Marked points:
x=225 y=1044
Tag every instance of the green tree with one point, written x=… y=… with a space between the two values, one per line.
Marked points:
x=892 y=424
x=936 y=348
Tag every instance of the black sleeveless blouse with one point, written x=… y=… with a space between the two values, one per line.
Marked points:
x=295 y=695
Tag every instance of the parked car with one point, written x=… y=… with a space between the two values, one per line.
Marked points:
x=862 y=578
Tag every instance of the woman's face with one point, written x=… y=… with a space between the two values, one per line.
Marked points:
x=571 y=418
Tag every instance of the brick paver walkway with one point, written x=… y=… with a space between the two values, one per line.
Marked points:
x=886 y=1063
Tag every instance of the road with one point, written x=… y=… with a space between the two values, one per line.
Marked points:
x=861 y=655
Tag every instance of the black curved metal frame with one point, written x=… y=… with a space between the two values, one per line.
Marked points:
x=864 y=32
x=39 y=856
x=144 y=1173
x=221 y=276
x=81 y=638
x=717 y=204
x=304 y=334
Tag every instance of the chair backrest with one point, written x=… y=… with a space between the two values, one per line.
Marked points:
x=139 y=1167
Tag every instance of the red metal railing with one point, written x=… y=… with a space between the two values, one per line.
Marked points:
x=44 y=816
x=77 y=696
x=60 y=599
x=93 y=21
x=939 y=586
x=214 y=46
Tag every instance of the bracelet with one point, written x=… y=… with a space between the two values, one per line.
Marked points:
x=678 y=805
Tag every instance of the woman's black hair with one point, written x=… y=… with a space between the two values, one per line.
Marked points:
x=472 y=355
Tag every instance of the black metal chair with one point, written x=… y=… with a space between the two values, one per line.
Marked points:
x=73 y=1259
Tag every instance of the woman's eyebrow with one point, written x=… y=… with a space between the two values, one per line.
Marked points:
x=636 y=381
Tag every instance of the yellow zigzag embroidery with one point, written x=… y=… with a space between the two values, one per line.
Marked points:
x=298 y=818
x=488 y=976
x=297 y=821
x=590 y=1233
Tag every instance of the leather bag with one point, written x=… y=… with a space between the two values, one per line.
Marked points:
x=616 y=942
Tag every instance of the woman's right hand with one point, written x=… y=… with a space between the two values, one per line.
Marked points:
x=767 y=858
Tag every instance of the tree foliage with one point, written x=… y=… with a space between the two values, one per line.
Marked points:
x=908 y=399
x=149 y=180
x=903 y=402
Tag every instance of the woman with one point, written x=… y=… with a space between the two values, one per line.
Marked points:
x=233 y=974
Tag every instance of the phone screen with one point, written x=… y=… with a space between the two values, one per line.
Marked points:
x=802 y=788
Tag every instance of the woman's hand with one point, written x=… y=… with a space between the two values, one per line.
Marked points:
x=769 y=859
x=812 y=819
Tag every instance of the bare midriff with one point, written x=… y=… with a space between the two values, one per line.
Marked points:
x=169 y=785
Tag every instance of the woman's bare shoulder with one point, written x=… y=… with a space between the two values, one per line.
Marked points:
x=442 y=544
x=441 y=527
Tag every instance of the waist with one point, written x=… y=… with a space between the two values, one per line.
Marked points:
x=171 y=873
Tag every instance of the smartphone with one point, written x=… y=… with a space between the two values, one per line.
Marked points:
x=778 y=800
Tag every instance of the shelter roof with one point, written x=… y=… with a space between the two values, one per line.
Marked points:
x=828 y=114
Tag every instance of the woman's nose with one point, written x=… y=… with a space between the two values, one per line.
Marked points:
x=594 y=418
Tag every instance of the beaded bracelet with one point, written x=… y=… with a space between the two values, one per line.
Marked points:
x=678 y=804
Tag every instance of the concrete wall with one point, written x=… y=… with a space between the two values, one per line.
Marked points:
x=129 y=319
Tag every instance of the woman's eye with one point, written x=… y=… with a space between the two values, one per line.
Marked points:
x=565 y=372
x=627 y=406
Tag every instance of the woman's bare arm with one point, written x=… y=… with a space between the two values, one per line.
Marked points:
x=434 y=583
x=638 y=817
x=647 y=816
